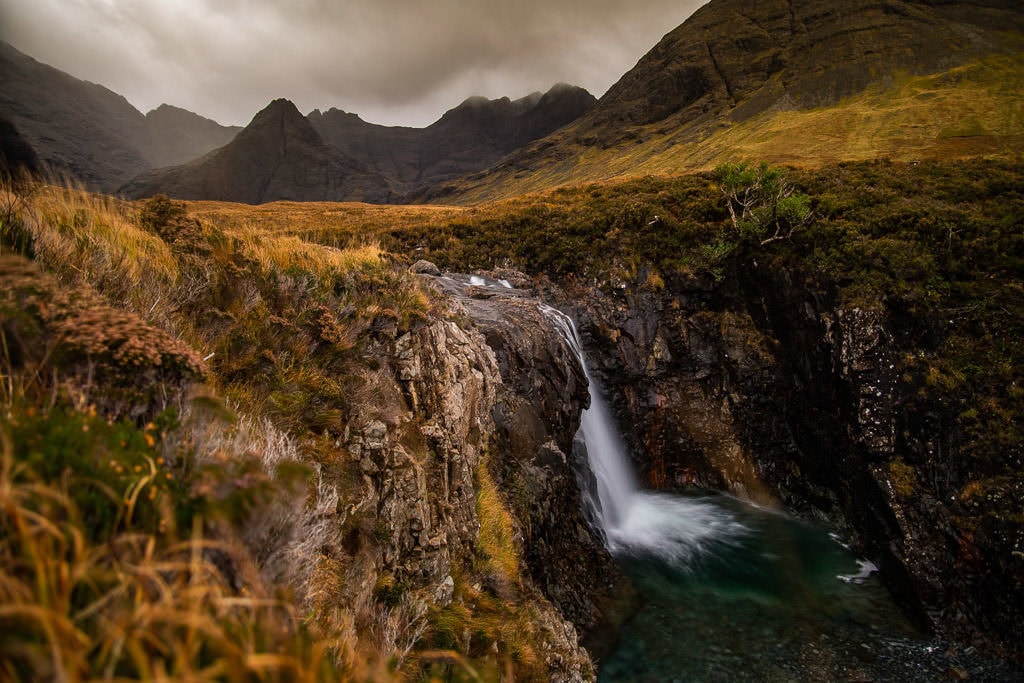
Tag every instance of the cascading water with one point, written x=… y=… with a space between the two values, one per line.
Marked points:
x=732 y=591
x=638 y=522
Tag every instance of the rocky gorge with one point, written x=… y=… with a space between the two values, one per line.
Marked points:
x=483 y=402
x=761 y=387
x=776 y=394
x=784 y=397
x=439 y=514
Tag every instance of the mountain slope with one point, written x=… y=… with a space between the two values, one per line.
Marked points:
x=177 y=135
x=735 y=65
x=92 y=134
x=468 y=138
x=16 y=155
x=278 y=156
x=76 y=128
x=393 y=151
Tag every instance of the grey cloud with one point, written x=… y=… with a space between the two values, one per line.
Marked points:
x=392 y=61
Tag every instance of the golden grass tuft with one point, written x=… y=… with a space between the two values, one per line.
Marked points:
x=290 y=252
x=132 y=606
x=336 y=224
x=95 y=235
x=496 y=544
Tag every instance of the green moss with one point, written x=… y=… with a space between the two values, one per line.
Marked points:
x=112 y=471
x=389 y=591
x=903 y=478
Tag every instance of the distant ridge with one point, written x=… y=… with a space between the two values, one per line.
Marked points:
x=737 y=76
x=336 y=156
x=90 y=133
x=177 y=135
x=278 y=156
x=470 y=137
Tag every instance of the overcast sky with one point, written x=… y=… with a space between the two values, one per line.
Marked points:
x=396 y=62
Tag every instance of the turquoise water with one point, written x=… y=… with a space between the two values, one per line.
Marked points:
x=732 y=592
x=770 y=598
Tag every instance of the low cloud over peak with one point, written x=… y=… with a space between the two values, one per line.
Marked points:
x=391 y=61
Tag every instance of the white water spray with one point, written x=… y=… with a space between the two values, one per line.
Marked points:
x=638 y=522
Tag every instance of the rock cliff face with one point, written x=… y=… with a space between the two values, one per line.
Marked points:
x=536 y=416
x=487 y=391
x=782 y=395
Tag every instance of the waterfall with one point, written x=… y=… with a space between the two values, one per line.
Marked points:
x=637 y=522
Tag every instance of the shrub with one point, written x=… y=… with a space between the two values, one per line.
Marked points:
x=104 y=355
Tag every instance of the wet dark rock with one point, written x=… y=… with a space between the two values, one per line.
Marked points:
x=423 y=267
x=780 y=394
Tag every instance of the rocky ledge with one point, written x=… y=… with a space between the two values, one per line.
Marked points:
x=483 y=398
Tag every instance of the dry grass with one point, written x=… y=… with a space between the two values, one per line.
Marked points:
x=289 y=253
x=346 y=224
x=280 y=313
x=134 y=605
x=95 y=239
x=496 y=546
x=969 y=111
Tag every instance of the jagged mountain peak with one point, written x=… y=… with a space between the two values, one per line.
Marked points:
x=281 y=120
x=165 y=109
x=479 y=101
x=278 y=156
x=171 y=113
x=279 y=110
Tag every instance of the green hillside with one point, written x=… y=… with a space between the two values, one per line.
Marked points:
x=976 y=110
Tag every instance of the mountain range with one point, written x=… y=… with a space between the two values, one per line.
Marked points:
x=336 y=156
x=803 y=82
x=468 y=138
x=278 y=156
x=90 y=134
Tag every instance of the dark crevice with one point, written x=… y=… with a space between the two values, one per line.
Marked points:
x=718 y=70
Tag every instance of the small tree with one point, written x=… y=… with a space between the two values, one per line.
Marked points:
x=763 y=205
